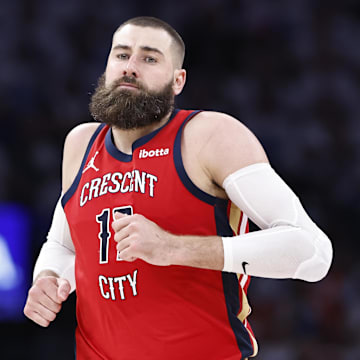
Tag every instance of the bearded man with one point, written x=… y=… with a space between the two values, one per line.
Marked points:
x=154 y=214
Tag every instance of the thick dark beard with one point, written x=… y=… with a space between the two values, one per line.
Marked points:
x=127 y=109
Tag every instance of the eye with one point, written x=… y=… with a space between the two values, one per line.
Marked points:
x=150 y=59
x=122 y=56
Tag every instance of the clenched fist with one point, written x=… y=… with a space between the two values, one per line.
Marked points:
x=45 y=299
x=140 y=238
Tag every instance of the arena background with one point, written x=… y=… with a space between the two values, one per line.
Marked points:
x=288 y=69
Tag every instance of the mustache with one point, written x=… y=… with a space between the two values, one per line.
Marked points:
x=127 y=80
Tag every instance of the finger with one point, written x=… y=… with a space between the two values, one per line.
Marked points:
x=119 y=215
x=43 y=312
x=122 y=234
x=121 y=220
x=38 y=319
x=49 y=286
x=63 y=289
x=33 y=307
x=48 y=303
x=121 y=245
x=127 y=254
x=37 y=294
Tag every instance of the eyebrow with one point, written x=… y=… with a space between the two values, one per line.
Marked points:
x=144 y=48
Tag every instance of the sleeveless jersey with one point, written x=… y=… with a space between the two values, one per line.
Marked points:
x=134 y=310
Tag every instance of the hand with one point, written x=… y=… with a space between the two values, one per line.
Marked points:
x=139 y=238
x=45 y=298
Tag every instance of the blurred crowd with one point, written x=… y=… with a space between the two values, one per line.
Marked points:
x=289 y=70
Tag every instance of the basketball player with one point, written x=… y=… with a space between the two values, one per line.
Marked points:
x=154 y=214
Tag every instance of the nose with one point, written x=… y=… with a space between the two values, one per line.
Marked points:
x=131 y=68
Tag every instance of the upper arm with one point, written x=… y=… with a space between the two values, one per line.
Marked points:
x=75 y=146
x=223 y=145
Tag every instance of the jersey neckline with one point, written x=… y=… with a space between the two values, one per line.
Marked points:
x=121 y=156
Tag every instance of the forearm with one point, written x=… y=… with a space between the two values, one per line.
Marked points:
x=57 y=255
x=197 y=251
x=280 y=252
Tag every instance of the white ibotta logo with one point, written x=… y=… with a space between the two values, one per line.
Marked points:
x=153 y=153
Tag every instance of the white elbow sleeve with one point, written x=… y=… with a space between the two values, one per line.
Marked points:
x=57 y=253
x=289 y=245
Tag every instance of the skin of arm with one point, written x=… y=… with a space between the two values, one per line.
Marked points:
x=75 y=146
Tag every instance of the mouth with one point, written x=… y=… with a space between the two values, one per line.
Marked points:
x=127 y=86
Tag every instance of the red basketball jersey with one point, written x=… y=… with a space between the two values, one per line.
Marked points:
x=134 y=310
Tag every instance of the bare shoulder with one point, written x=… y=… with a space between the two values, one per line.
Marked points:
x=76 y=143
x=211 y=123
x=223 y=144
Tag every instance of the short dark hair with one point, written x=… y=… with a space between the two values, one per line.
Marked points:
x=149 y=21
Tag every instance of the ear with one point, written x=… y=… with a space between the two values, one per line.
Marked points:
x=179 y=80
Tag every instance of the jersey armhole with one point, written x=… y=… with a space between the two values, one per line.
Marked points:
x=184 y=177
x=70 y=192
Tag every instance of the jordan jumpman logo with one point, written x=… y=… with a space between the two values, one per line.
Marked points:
x=91 y=164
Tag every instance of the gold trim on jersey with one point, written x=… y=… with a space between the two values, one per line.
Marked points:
x=237 y=222
x=234 y=218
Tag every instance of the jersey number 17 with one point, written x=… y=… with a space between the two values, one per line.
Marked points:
x=104 y=234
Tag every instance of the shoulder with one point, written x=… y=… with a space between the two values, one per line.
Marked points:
x=75 y=146
x=211 y=123
x=83 y=131
x=223 y=144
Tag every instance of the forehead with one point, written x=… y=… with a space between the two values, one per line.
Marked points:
x=137 y=37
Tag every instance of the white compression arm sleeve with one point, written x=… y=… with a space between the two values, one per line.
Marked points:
x=289 y=245
x=57 y=253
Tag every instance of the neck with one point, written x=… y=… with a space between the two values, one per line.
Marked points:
x=123 y=139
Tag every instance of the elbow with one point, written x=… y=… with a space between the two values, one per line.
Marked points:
x=318 y=266
x=319 y=271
